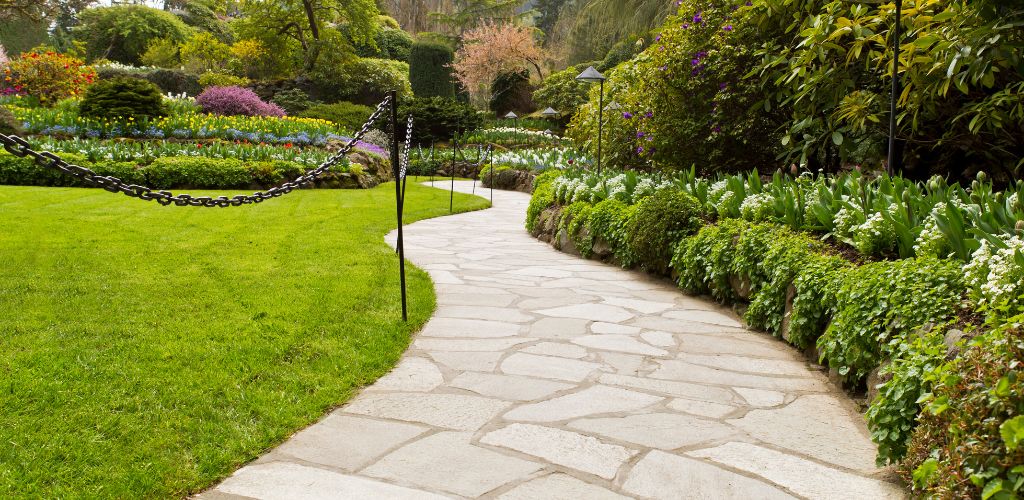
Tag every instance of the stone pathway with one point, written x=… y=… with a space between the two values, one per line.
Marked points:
x=545 y=376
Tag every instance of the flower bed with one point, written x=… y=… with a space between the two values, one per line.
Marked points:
x=510 y=136
x=939 y=268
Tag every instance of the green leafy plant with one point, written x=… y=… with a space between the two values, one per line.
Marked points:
x=123 y=99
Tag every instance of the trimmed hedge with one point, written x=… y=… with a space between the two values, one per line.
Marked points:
x=180 y=172
x=430 y=69
x=344 y=114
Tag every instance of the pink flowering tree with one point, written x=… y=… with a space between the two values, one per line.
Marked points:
x=495 y=49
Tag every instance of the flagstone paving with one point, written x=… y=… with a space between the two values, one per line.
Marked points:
x=545 y=376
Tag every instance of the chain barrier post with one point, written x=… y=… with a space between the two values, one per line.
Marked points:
x=491 y=155
x=396 y=167
x=433 y=167
x=451 y=197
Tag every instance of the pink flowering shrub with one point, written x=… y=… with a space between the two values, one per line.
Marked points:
x=236 y=101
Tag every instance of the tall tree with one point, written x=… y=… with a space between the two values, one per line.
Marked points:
x=305 y=21
x=492 y=50
x=468 y=14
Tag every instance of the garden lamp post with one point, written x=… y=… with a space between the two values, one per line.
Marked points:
x=549 y=113
x=591 y=75
x=895 y=160
x=515 y=120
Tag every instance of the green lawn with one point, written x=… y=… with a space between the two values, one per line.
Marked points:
x=148 y=351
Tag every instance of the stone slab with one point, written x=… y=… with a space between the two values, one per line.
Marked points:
x=411 y=374
x=664 y=476
x=556 y=349
x=286 y=481
x=548 y=367
x=448 y=411
x=559 y=487
x=561 y=447
x=347 y=442
x=508 y=387
x=801 y=476
x=593 y=400
x=619 y=343
x=665 y=431
x=469 y=328
x=592 y=312
x=468 y=361
x=448 y=462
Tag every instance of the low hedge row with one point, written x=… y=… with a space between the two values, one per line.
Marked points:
x=163 y=173
x=900 y=320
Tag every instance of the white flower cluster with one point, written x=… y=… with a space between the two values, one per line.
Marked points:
x=513 y=130
x=758 y=208
x=541 y=159
x=876 y=235
x=569 y=190
x=995 y=273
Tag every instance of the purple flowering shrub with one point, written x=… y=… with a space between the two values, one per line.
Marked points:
x=689 y=98
x=236 y=101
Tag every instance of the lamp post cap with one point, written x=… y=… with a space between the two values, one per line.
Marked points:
x=549 y=112
x=511 y=115
x=591 y=75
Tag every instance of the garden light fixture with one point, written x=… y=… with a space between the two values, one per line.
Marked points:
x=515 y=119
x=591 y=75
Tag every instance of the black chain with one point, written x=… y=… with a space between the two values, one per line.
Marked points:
x=408 y=148
x=21 y=148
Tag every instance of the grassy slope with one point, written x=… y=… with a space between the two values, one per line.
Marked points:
x=148 y=351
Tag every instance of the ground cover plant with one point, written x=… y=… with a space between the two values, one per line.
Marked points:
x=887 y=279
x=156 y=376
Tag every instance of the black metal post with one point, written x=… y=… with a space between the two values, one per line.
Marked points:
x=451 y=198
x=600 y=126
x=396 y=167
x=894 y=159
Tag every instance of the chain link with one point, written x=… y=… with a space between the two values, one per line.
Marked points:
x=408 y=147
x=21 y=148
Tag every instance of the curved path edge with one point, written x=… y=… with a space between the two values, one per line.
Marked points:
x=543 y=375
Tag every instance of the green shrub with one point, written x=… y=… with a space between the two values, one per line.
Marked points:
x=294 y=101
x=884 y=302
x=16 y=171
x=817 y=286
x=543 y=197
x=437 y=119
x=344 y=114
x=361 y=80
x=893 y=414
x=574 y=219
x=430 y=70
x=704 y=261
x=211 y=79
x=197 y=172
x=391 y=43
x=658 y=223
x=512 y=92
x=608 y=222
x=123 y=33
x=562 y=91
x=172 y=81
x=162 y=53
x=123 y=99
x=969 y=442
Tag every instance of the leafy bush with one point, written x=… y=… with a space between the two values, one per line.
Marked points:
x=969 y=442
x=512 y=92
x=208 y=173
x=294 y=101
x=16 y=171
x=543 y=198
x=363 y=81
x=123 y=33
x=235 y=101
x=892 y=416
x=49 y=76
x=437 y=119
x=123 y=99
x=345 y=115
x=658 y=223
x=389 y=43
x=880 y=304
x=211 y=79
x=574 y=220
x=202 y=52
x=704 y=261
x=430 y=72
x=562 y=91
x=687 y=99
x=162 y=53
x=175 y=81
x=817 y=286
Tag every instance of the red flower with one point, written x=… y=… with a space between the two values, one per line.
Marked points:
x=288 y=146
x=199 y=146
